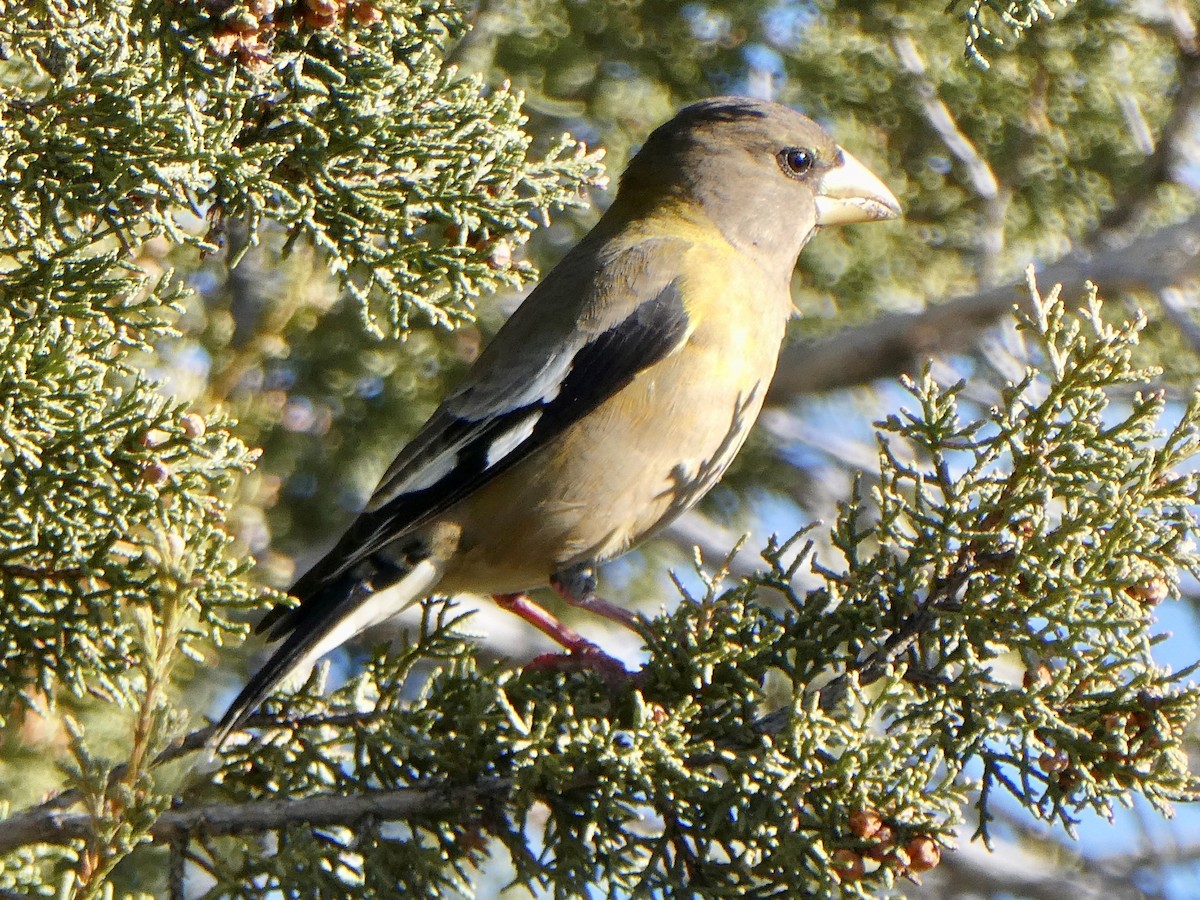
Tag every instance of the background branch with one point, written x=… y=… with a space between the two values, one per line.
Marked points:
x=1179 y=124
x=54 y=827
x=898 y=343
x=974 y=870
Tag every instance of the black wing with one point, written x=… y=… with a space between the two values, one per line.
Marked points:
x=456 y=454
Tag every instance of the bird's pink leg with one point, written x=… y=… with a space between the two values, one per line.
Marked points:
x=578 y=587
x=582 y=653
x=545 y=622
x=601 y=607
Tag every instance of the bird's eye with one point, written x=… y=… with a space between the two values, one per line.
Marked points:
x=796 y=161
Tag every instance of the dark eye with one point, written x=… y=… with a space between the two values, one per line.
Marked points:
x=796 y=161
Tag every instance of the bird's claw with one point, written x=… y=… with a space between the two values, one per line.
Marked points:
x=583 y=658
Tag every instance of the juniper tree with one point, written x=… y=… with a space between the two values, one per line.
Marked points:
x=278 y=209
x=988 y=610
x=126 y=125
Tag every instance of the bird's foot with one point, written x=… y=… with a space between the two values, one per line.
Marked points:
x=589 y=658
x=577 y=586
x=581 y=655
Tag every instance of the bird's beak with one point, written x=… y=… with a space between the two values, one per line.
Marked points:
x=851 y=193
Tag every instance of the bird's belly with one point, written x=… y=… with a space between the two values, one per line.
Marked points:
x=633 y=465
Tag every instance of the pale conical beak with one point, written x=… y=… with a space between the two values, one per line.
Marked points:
x=851 y=193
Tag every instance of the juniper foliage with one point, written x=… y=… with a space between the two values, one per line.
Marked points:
x=984 y=626
x=205 y=127
x=114 y=495
x=984 y=623
x=989 y=22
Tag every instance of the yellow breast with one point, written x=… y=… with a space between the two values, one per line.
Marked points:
x=649 y=452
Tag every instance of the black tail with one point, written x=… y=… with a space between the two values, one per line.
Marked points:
x=332 y=610
x=305 y=626
x=311 y=589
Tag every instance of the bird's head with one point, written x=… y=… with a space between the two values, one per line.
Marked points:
x=765 y=175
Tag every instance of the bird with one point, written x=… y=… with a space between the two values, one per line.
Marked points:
x=611 y=401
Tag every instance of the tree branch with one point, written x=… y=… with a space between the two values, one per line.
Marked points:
x=941 y=120
x=974 y=870
x=42 y=826
x=16 y=570
x=1176 y=304
x=979 y=173
x=1165 y=155
x=899 y=342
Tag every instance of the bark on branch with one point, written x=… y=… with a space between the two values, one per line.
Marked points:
x=53 y=826
x=899 y=342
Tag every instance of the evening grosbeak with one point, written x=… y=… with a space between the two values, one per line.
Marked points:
x=610 y=402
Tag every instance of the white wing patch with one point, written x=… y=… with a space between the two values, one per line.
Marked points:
x=513 y=438
x=502 y=395
x=425 y=477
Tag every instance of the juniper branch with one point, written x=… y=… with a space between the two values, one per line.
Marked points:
x=899 y=342
x=54 y=827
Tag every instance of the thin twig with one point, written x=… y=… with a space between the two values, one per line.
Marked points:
x=898 y=343
x=874 y=666
x=16 y=570
x=53 y=827
x=198 y=740
x=1161 y=161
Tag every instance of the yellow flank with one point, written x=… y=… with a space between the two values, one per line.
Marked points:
x=711 y=216
x=647 y=453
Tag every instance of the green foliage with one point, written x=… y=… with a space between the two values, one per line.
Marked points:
x=129 y=121
x=115 y=562
x=1011 y=18
x=115 y=501
x=991 y=612
x=407 y=181
x=979 y=625
x=1045 y=534
x=126 y=128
